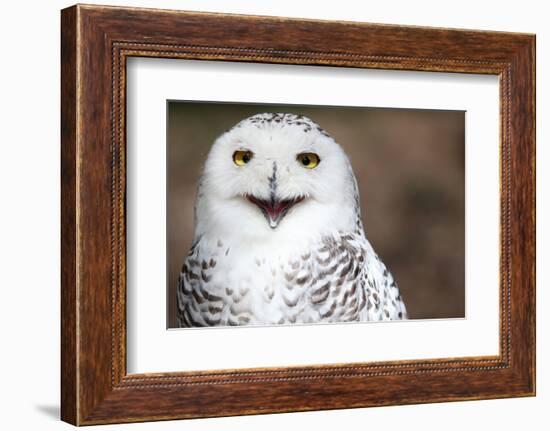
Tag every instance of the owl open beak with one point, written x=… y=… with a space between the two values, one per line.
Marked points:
x=274 y=209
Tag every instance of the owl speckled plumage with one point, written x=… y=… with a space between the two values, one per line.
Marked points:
x=278 y=234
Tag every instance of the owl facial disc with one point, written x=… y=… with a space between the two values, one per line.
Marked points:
x=274 y=209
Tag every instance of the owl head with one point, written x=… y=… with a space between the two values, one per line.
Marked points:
x=276 y=176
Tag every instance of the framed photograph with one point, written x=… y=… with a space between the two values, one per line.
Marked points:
x=264 y=214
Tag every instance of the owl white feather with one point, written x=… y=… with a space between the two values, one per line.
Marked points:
x=278 y=234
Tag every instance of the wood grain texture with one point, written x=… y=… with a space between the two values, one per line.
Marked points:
x=68 y=218
x=96 y=41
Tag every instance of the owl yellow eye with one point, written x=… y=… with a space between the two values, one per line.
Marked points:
x=308 y=160
x=242 y=157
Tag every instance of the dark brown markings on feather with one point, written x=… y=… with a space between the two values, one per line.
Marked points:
x=229 y=291
x=205 y=278
x=243 y=291
x=185 y=287
x=324 y=262
x=344 y=260
x=214 y=310
x=346 y=269
x=353 y=289
x=194 y=306
x=227 y=252
x=304 y=279
x=344 y=298
x=329 y=271
x=270 y=293
x=321 y=294
x=180 y=305
x=212 y=263
x=211 y=322
x=220 y=244
x=184 y=269
x=306 y=256
x=332 y=269
x=237 y=299
x=386 y=313
x=272 y=180
x=289 y=302
x=290 y=276
x=243 y=320
x=361 y=258
x=400 y=315
x=197 y=297
x=192 y=275
x=193 y=322
x=232 y=322
x=321 y=275
x=375 y=297
x=194 y=247
x=356 y=272
x=329 y=246
x=211 y=297
x=363 y=298
x=349 y=317
x=281 y=321
x=204 y=264
x=329 y=312
x=289 y=286
x=353 y=302
x=321 y=131
x=186 y=321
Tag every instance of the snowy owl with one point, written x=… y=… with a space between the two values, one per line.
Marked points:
x=278 y=234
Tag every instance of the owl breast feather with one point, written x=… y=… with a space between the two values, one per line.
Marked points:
x=337 y=279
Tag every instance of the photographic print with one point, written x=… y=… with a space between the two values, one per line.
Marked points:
x=272 y=196
x=291 y=214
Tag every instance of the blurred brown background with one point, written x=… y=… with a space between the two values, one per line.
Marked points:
x=410 y=168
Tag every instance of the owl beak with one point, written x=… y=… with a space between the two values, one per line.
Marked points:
x=274 y=209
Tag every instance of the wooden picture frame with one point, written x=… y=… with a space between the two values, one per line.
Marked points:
x=95 y=43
